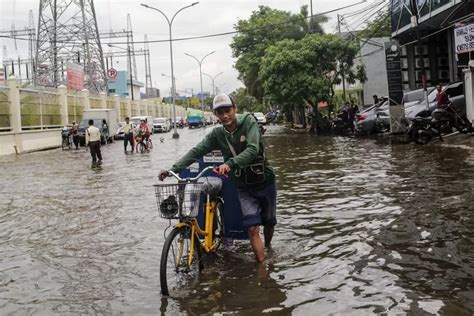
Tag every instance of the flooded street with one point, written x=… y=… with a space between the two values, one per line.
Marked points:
x=365 y=227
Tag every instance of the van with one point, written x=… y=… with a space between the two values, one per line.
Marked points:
x=98 y=115
x=137 y=119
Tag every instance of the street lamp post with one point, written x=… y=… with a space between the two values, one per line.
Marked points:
x=129 y=52
x=200 y=73
x=212 y=79
x=170 y=23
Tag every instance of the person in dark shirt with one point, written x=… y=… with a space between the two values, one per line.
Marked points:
x=442 y=99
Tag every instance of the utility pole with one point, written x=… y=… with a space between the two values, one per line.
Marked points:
x=341 y=64
x=419 y=46
x=311 y=18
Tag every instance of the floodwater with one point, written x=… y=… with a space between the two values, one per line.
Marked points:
x=365 y=227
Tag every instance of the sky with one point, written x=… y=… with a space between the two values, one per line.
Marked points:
x=207 y=17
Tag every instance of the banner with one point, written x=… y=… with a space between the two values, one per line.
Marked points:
x=464 y=38
x=75 y=76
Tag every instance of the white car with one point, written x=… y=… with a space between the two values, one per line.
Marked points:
x=261 y=119
x=161 y=124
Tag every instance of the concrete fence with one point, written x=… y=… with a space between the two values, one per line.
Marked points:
x=31 y=119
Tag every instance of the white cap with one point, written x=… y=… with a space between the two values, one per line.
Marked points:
x=221 y=100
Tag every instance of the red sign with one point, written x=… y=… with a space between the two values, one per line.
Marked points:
x=75 y=76
x=112 y=73
x=2 y=76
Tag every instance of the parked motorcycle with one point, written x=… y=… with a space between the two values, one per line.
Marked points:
x=441 y=121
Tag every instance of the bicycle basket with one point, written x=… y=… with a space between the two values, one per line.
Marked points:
x=175 y=200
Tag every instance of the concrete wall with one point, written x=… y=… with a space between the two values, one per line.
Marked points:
x=373 y=58
x=17 y=139
x=28 y=141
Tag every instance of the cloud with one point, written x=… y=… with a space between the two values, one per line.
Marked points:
x=208 y=17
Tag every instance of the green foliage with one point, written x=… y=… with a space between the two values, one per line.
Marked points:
x=264 y=28
x=379 y=27
x=245 y=102
x=296 y=71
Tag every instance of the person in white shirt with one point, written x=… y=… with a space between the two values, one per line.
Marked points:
x=127 y=134
x=93 y=141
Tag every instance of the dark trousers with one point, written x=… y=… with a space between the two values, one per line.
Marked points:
x=95 y=151
x=127 y=138
x=75 y=140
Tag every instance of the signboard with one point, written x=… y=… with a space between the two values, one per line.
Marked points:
x=394 y=73
x=214 y=156
x=464 y=38
x=195 y=101
x=112 y=73
x=75 y=76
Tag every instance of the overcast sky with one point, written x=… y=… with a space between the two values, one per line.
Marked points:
x=208 y=17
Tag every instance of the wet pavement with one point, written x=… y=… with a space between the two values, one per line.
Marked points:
x=365 y=227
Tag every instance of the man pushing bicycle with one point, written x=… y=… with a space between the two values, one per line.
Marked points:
x=240 y=141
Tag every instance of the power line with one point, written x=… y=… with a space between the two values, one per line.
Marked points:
x=291 y=20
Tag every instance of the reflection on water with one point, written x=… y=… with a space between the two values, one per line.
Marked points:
x=365 y=226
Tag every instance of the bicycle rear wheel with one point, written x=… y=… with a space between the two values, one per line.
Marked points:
x=64 y=144
x=175 y=271
x=149 y=144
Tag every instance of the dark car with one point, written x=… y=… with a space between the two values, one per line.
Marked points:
x=374 y=119
x=455 y=92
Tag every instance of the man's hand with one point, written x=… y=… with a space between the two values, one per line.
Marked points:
x=163 y=174
x=223 y=170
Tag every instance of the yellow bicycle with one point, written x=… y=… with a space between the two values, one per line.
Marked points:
x=181 y=257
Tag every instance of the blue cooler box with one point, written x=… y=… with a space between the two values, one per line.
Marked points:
x=233 y=228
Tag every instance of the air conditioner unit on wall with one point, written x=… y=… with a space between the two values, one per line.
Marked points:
x=404 y=62
x=405 y=76
x=418 y=62
x=443 y=74
x=443 y=61
x=421 y=50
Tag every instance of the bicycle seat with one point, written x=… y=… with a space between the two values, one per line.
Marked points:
x=211 y=185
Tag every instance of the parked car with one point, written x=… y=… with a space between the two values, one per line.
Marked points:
x=161 y=124
x=120 y=133
x=261 y=119
x=136 y=120
x=374 y=119
x=414 y=96
x=455 y=92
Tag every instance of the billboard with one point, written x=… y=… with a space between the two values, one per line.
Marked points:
x=464 y=38
x=75 y=76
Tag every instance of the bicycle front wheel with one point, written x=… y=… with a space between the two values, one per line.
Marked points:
x=218 y=225
x=176 y=274
x=64 y=144
x=140 y=147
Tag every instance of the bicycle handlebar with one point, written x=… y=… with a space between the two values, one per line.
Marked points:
x=191 y=179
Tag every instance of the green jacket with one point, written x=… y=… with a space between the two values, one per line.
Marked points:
x=247 y=142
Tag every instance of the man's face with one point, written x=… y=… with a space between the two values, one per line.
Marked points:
x=227 y=115
x=127 y=121
x=438 y=87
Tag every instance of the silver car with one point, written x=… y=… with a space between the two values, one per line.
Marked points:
x=374 y=119
x=455 y=92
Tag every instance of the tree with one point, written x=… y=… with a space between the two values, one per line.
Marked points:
x=264 y=28
x=245 y=102
x=297 y=73
x=378 y=27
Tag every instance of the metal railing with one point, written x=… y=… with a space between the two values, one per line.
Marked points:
x=5 y=115
x=39 y=109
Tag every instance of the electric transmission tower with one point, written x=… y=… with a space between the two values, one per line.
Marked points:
x=68 y=33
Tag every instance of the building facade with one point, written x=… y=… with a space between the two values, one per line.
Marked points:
x=425 y=32
x=121 y=86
